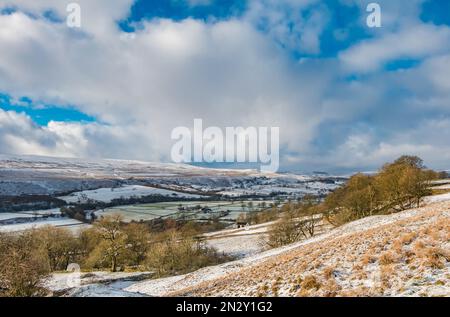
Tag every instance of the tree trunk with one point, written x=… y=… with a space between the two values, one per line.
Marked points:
x=114 y=264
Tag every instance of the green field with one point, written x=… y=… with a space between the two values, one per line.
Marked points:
x=172 y=210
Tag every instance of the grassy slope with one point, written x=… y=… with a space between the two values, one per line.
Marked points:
x=404 y=254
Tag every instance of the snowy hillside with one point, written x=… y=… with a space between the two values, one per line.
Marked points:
x=32 y=175
x=400 y=254
x=44 y=175
x=405 y=254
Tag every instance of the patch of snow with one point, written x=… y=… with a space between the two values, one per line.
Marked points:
x=239 y=246
x=57 y=222
x=440 y=181
x=106 y=195
x=12 y=216
x=101 y=290
x=437 y=198
x=446 y=186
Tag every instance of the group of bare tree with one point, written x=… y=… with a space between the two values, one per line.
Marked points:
x=298 y=221
x=397 y=186
x=27 y=258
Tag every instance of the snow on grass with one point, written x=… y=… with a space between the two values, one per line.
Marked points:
x=437 y=198
x=404 y=254
x=95 y=284
x=352 y=239
x=272 y=188
x=247 y=230
x=29 y=214
x=112 y=290
x=12 y=216
x=446 y=186
x=440 y=181
x=57 y=222
x=239 y=242
x=45 y=212
x=64 y=281
x=108 y=194
x=26 y=220
x=238 y=246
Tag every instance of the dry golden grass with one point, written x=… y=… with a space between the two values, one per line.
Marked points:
x=310 y=282
x=360 y=291
x=387 y=258
x=328 y=272
x=368 y=258
x=331 y=288
x=418 y=247
x=437 y=191
x=435 y=257
x=408 y=238
x=387 y=273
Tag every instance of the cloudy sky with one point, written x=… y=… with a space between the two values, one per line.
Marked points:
x=345 y=96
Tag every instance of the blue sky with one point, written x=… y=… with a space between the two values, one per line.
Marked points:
x=347 y=97
x=179 y=10
x=43 y=114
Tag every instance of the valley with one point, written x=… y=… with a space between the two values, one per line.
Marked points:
x=139 y=191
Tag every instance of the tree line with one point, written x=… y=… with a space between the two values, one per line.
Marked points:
x=110 y=244
x=397 y=186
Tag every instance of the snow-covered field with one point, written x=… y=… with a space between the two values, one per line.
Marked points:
x=440 y=182
x=106 y=195
x=239 y=246
x=56 y=222
x=239 y=242
x=26 y=220
x=11 y=216
x=100 y=284
x=446 y=186
x=287 y=186
x=36 y=214
x=106 y=180
x=437 y=198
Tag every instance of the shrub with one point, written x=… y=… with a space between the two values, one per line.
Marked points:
x=172 y=253
x=299 y=221
x=60 y=246
x=387 y=258
x=112 y=243
x=23 y=265
x=310 y=282
x=257 y=217
x=138 y=242
x=111 y=248
x=435 y=257
x=285 y=231
x=329 y=272
x=408 y=238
